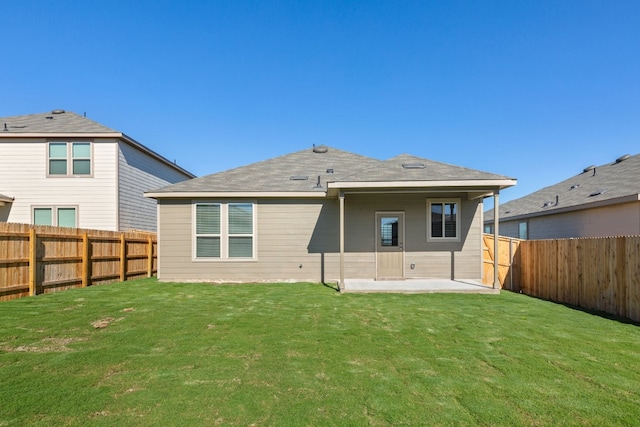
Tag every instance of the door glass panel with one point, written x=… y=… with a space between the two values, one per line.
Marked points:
x=389 y=231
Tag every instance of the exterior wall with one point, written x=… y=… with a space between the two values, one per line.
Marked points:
x=617 y=220
x=23 y=175
x=298 y=240
x=137 y=173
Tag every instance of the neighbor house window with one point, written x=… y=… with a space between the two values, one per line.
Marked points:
x=60 y=216
x=224 y=230
x=522 y=231
x=69 y=158
x=443 y=221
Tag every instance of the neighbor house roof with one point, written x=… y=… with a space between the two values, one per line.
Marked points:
x=64 y=124
x=320 y=169
x=614 y=182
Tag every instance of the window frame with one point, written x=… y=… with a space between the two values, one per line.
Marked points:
x=444 y=201
x=225 y=233
x=69 y=159
x=55 y=216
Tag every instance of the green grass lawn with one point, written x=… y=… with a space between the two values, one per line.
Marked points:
x=148 y=353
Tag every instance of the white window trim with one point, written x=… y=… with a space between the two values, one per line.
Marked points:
x=458 y=219
x=54 y=213
x=69 y=159
x=224 y=231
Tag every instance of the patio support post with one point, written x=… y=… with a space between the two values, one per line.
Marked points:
x=341 y=284
x=496 y=242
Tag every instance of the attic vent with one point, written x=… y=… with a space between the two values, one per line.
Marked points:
x=298 y=178
x=413 y=165
x=49 y=117
x=507 y=212
x=623 y=158
x=547 y=204
x=57 y=112
x=320 y=149
x=596 y=193
x=588 y=168
x=329 y=170
x=574 y=186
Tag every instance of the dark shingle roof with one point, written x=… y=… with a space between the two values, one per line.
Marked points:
x=606 y=182
x=274 y=175
x=57 y=121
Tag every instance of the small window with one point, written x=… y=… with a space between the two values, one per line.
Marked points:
x=522 y=231
x=59 y=216
x=443 y=221
x=224 y=230
x=487 y=229
x=69 y=158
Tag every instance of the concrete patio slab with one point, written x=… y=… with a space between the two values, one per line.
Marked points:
x=417 y=286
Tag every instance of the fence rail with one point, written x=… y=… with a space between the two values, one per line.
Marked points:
x=600 y=274
x=43 y=259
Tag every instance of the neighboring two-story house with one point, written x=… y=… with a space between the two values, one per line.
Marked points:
x=60 y=168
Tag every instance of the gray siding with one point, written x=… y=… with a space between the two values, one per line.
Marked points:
x=298 y=240
x=617 y=220
x=137 y=173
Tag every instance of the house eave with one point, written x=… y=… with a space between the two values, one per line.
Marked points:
x=462 y=185
x=235 y=194
x=597 y=204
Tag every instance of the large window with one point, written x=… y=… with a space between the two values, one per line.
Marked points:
x=69 y=158
x=53 y=215
x=224 y=230
x=443 y=222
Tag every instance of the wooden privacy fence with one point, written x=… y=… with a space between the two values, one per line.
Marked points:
x=508 y=269
x=600 y=274
x=593 y=273
x=44 y=259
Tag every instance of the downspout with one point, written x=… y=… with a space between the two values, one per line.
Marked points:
x=496 y=242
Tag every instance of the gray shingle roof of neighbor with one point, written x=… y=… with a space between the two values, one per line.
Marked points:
x=56 y=121
x=606 y=183
x=286 y=173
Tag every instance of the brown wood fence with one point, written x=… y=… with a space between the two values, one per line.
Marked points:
x=43 y=259
x=600 y=274
x=508 y=270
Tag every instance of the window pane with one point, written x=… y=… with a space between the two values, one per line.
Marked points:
x=208 y=247
x=81 y=150
x=42 y=216
x=58 y=150
x=241 y=218
x=208 y=219
x=450 y=220
x=82 y=167
x=436 y=220
x=389 y=231
x=57 y=167
x=522 y=230
x=67 y=217
x=240 y=247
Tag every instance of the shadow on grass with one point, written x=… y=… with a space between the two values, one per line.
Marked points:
x=333 y=286
x=590 y=311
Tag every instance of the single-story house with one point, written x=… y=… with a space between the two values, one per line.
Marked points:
x=323 y=215
x=600 y=201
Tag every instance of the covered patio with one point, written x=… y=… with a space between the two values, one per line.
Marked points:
x=416 y=286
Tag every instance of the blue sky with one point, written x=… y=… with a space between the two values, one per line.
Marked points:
x=535 y=90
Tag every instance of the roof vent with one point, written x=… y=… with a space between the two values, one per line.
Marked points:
x=507 y=212
x=329 y=170
x=413 y=165
x=596 y=193
x=57 y=112
x=588 y=168
x=623 y=158
x=49 y=117
x=298 y=178
x=5 y=128
x=574 y=186
x=320 y=149
x=547 y=204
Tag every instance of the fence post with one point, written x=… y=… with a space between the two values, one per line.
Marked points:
x=33 y=253
x=150 y=258
x=123 y=258
x=86 y=260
